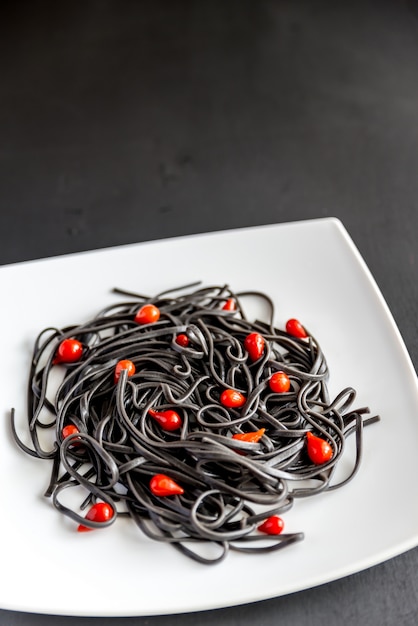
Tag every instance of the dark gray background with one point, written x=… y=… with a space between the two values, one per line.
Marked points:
x=128 y=121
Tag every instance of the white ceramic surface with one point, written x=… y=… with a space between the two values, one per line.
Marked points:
x=313 y=272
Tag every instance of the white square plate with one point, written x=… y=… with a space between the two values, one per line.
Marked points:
x=313 y=272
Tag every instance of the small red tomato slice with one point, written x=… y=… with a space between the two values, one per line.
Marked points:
x=319 y=450
x=168 y=420
x=124 y=364
x=232 y=399
x=147 y=314
x=254 y=344
x=162 y=485
x=295 y=328
x=182 y=340
x=71 y=429
x=273 y=525
x=279 y=382
x=230 y=305
x=69 y=351
x=99 y=512
x=68 y=430
x=253 y=437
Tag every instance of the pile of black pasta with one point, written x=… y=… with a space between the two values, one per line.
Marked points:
x=183 y=360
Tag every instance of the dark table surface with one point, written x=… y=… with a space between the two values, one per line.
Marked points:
x=129 y=121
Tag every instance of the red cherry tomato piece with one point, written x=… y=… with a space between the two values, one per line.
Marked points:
x=182 y=340
x=168 y=419
x=253 y=437
x=254 y=344
x=319 y=450
x=68 y=430
x=147 y=314
x=295 y=328
x=69 y=351
x=99 y=512
x=279 y=382
x=273 y=525
x=124 y=364
x=230 y=305
x=232 y=399
x=162 y=485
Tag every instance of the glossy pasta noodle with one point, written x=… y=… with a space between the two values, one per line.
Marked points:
x=198 y=424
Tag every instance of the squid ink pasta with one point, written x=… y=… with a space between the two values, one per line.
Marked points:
x=177 y=411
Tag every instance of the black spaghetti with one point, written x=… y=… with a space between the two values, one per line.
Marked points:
x=180 y=413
